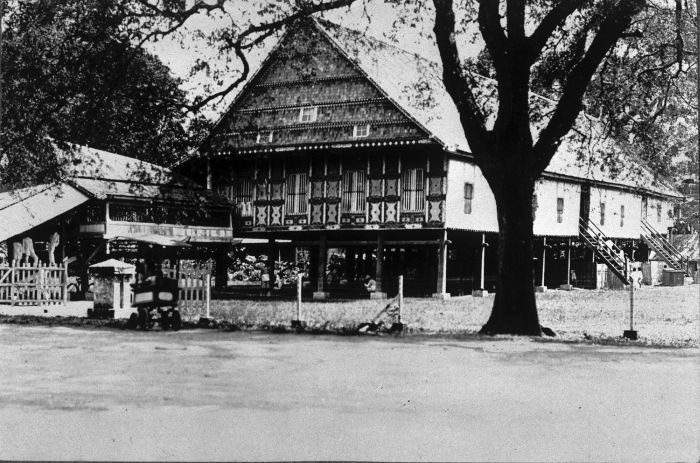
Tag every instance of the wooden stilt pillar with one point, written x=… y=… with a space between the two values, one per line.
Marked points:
x=442 y=269
x=568 y=286
x=481 y=292
x=271 y=255
x=320 y=292
x=379 y=269
x=542 y=288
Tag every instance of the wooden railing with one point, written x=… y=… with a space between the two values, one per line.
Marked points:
x=33 y=284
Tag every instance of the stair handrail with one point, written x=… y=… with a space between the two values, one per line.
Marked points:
x=587 y=225
x=668 y=247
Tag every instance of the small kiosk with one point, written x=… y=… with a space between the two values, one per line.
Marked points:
x=112 y=287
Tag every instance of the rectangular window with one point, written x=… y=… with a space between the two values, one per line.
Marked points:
x=308 y=114
x=602 y=213
x=354 y=197
x=240 y=192
x=297 y=191
x=468 y=196
x=360 y=131
x=622 y=216
x=413 y=190
x=560 y=210
x=658 y=212
x=644 y=207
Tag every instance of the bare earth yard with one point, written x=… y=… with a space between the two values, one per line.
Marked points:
x=662 y=315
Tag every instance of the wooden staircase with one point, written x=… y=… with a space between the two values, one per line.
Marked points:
x=663 y=248
x=608 y=252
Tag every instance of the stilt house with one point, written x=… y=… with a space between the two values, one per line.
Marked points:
x=352 y=148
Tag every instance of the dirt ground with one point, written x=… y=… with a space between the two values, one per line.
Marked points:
x=69 y=393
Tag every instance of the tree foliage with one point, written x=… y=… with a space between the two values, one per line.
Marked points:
x=70 y=74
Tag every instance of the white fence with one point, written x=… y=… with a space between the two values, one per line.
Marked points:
x=195 y=286
x=35 y=284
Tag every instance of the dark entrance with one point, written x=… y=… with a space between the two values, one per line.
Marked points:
x=585 y=206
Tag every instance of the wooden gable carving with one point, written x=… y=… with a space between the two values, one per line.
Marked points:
x=309 y=92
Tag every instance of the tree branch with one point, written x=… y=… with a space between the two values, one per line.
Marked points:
x=265 y=30
x=471 y=117
x=492 y=33
x=553 y=20
x=616 y=21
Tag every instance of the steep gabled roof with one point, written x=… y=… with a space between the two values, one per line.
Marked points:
x=415 y=84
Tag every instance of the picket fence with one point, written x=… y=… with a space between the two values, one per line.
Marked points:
x=194 y=283
x=33 y=284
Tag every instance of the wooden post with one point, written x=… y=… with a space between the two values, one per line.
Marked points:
x=442 y=269
x=481 y=292
x=207 y=288
x=299 y=285
x=321 y=268
x=542 y=288
x=631 y=333
x=400 y=297
x=568 y=286
x=379 y=269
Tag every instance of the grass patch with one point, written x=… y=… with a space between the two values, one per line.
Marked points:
x=663 y=315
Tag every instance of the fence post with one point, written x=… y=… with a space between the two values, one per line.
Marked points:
x=299 y=278
x=12 y=283
x=400 y=297
x=296 y=323
x=631 y=333
x=208 y=292
x=65 y=283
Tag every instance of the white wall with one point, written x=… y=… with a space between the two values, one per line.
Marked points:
x=483 y=215
x=613 y=199
x=666 y=213
x=547 y=192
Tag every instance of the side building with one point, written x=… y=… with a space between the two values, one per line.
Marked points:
x=351 y=148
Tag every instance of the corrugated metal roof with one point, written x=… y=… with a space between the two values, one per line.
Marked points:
x=22 y=210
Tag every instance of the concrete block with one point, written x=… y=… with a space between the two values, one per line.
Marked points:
x=566 y=287
x=377 y=295
x=320 y=295
x=441 y=296
x=480 y=293
x=540 y=289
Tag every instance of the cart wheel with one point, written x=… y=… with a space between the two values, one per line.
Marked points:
x=176 y=322
x=133 y=322
x=143 y=318
x=164 y=319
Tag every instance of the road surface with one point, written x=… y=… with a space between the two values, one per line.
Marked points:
x=204 y=395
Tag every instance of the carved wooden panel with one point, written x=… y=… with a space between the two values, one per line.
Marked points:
x=391 y=187
x=276 y=214
x=317 y=214
x=332 y=213
x=333 y=189
x=435 y=210
x=375 y=212
x=276 y=191
x=261 y=215
x=375 y=187
x=317 y=189
x=391 y=212
x=435 y=185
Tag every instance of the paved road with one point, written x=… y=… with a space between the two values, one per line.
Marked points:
x=108 y=394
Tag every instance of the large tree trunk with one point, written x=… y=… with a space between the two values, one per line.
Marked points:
x=514 y=308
